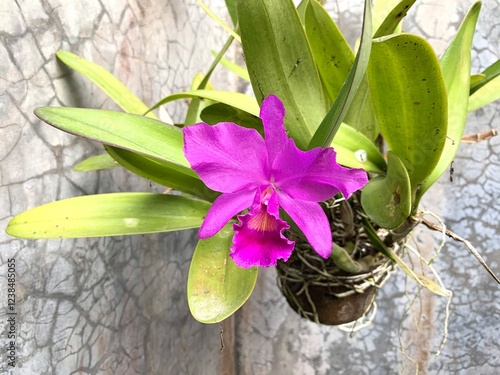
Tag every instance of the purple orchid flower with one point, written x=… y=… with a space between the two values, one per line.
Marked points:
x=264 y=175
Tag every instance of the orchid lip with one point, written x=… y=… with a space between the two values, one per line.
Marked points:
x=263 y=222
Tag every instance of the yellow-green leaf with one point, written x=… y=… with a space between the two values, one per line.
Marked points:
x=280 y=62
x=387 y=199
x=392 y=22
x=409 y=98
x=332 y=54
x=109 y=215
x=216 y=286
x=354 y=150
x=330 y=124
x=132 y=132
x=95 y=163
x=420 y=279
x=487 y=93
x=161 y=172
x=455 y=65
x=235 y=99
x=478 y=80
x=108 y=83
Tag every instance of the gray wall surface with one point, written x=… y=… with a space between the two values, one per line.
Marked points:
x=118 y=305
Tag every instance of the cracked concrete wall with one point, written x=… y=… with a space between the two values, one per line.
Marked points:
x=118 y=306
x=107 y=305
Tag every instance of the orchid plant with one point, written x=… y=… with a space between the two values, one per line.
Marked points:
x=250 y=167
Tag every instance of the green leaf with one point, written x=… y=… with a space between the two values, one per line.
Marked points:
x=380 y=11
x=131 y=132
x=475 y=80
x=361 y=114
x=420 y=279
x=161 y=172
x=280 y=62
x=330 y=50
x=455 y=65
x=109 y=215
x=387 y=199
x=301 y=10
x=486 y=94
x=354 y=150
x=235 y=99
x=116 y=90
x=200 y=79
x=410 y=102
x=224 y=113
x=343 y=260
x=137 y=163
x=331 y=122
x=487 y=75
x=196 y=105
x=95 y=163
x=393 y=20
x=231 y=9
x=216 y=286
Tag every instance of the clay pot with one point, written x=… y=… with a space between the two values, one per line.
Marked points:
x=318 y=289
x=328 y=308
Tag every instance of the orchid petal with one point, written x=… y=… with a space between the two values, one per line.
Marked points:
x=312 y=221
x=227 y=157
x=223 y=209
x=258 y=238
x=272 y=113
x=314 y=175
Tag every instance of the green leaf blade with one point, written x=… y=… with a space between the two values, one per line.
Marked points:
x=95 y=163
x=486 y=94
x=131 y=132
x=410 y=102
x=161 y=172
x=391 y=22
x=478 y=80
x=354 y=150
x=332 y=53
x=280 y=62
x=390 y=254
x=219 y=112
x=231 y=9
x=361 y=114
x=387 y=200
x=107 y=82
x=244 y=102
x=109 y=215
x=455 y=64
x=216 y=286
x=122 y=96
x=331 y=122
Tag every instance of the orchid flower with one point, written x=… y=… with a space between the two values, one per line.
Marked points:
x=264 y=175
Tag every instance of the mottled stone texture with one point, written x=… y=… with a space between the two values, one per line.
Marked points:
x=118 y=305
x=110 y=305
